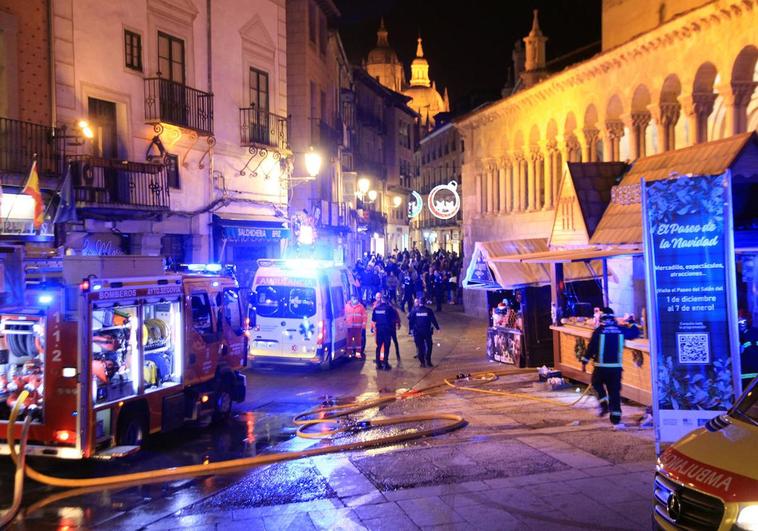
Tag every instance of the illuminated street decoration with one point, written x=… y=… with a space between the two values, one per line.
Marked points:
x=444 y=201
x=415 y=205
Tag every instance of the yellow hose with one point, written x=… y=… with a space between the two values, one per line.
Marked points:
x=324 y=415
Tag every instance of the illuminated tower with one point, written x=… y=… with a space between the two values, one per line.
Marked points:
x=534 y=64
x=382 y=63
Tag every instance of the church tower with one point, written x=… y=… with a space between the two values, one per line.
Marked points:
x=534 y=63
x=382 y=63
x=426 y=99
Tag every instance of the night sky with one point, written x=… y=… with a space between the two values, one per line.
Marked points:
x=469 y=43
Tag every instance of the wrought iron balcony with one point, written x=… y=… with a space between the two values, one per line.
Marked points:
x=20 y=141
x=177 y=104
x=120 y=185
x=261 y=128
x=371 y=119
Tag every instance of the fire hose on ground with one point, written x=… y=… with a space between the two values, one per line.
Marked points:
x=328 y=414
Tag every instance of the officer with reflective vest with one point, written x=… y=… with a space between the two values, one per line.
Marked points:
x=384 y=319
x=606 y=349
x=420 y=322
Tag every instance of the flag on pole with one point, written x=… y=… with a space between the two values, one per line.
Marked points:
x=32 y=189
x=67 y=205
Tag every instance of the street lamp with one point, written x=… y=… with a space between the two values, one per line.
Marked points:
x=363 y=185
x=397 y=201
x=312 y=162
x=372 y=195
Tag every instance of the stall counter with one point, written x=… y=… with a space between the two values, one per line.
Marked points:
x=636 y=379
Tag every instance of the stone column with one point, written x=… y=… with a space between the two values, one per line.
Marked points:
x=702 y=104
x=490 y=189
x=532 y=182
x=614 y=132
x=640 y=121
x=549 y=171
x=520 y=203
x=668 y=118
x=590 y=149
x=573 y=149
x=502 y=186
x=736 y=99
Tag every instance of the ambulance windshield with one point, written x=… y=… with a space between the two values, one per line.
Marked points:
x=285 y=302
x=747 y=408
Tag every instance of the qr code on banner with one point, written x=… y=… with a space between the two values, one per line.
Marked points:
x=693 y=348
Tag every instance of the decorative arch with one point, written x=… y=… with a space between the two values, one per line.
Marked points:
x=614 y=127
x=640 y=120
x=703 y=99
x=573 y=147
x=593 y=141
x=744 y=80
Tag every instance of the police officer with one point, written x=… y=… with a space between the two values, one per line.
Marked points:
x=420 y=322
x=384 y=319
x=606 y=349
x=748 y=350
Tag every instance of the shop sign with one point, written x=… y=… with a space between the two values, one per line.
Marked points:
x=444 y=201
x=254 y=233
x=415 y=205
x=17 y=216
x=691 y=295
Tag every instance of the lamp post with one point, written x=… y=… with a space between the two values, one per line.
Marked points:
x=312 y=162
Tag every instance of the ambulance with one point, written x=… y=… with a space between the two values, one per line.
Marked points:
x=299 y=308
x=114 y=349
x=709 y=478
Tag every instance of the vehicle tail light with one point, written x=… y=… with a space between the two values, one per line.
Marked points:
x=64 y=436
x=321 y=334
x=84 y=286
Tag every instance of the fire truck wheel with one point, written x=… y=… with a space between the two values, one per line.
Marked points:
x=223 y=403
x=132 y=428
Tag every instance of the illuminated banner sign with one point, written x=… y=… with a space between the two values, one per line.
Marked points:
x=247 y=234
x=415 y=205
x=691 y=294
x=478 y=274
x=444 y=201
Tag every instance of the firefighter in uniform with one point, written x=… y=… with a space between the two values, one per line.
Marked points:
x=383 y=318
x=420 y=322
x=606 y=349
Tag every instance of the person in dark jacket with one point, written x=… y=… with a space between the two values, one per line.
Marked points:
x=606 y=349
x=420 y=322
x=383 y=318
x=408 y=291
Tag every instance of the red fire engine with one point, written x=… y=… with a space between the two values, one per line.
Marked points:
x=116 y=349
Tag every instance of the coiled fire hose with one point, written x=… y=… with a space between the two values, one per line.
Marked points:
x=331 y=415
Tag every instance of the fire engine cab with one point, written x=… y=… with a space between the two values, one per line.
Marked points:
x=116 y=349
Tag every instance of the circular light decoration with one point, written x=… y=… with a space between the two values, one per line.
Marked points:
x=444 y=201
x=415 y=205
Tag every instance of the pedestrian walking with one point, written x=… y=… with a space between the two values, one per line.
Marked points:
x=408 y=291
x=392 y=284
x=605 y=349
x=383 y=326
x=396 y=320
x=420 y=322
x=355 y=319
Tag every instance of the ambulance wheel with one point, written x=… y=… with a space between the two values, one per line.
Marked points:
x=327 y=361
x=132 y=428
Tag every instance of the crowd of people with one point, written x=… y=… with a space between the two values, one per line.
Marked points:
x=402 y=282
x=404 y=275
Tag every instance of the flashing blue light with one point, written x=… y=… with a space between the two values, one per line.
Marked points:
x=209 y=268
x=97 y=287
x=215 y=283
x=45 y=299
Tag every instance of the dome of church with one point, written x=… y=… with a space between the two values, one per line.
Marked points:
x=383 y=64
x=426 y=101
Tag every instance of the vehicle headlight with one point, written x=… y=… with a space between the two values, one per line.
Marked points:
x=748 y=518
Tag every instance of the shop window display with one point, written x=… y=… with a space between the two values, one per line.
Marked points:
x=114 y=353
x=162 y=344
x=22 y=360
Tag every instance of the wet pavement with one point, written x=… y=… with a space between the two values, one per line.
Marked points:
x=518 y=464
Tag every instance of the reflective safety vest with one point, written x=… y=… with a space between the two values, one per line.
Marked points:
x=355 y=315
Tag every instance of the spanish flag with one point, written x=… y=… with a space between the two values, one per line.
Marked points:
x=32 y=189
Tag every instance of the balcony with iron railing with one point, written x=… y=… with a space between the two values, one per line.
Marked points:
x=177 y=104
x=20 y=141
x=262 y=128
x=370 y=119
x=119 y=185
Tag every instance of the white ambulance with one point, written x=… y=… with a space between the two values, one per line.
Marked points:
x=299 y=312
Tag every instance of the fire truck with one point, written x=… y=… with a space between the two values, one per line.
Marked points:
x=116 y=349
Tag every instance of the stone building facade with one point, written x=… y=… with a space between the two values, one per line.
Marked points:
x=188 y=104
x=686 y=79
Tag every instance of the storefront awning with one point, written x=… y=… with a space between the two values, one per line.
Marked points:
x=244 y=228
x=564 y=256
x=622 y=222
x=512 y=264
